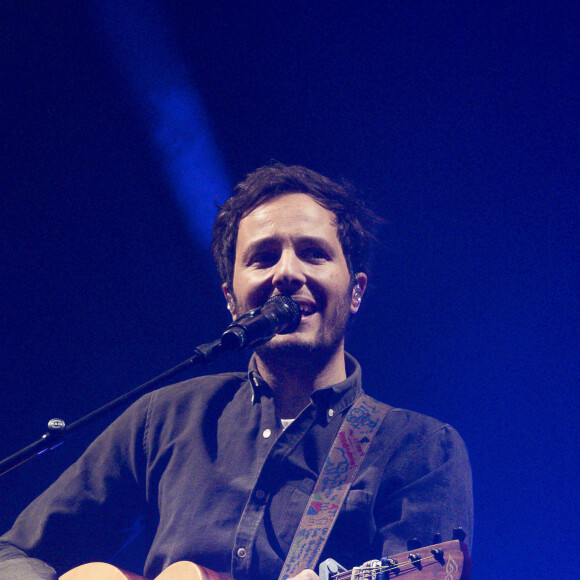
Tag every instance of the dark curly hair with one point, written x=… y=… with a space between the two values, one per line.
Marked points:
x=356 y=224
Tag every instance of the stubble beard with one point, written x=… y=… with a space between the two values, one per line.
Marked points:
x=325 y=343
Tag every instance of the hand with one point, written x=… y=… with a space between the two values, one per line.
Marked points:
x=306 y=575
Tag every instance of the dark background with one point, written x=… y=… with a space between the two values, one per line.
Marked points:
x=459 y=123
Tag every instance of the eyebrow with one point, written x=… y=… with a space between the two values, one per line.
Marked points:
x=271 y=242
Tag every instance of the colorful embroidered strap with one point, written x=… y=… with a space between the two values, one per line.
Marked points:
x=339 y=470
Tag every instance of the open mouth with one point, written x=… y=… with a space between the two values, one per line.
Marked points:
x=307 y=309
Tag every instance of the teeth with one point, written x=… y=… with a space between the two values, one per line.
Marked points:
x=306 y=309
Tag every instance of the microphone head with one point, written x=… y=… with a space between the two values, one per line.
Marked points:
x=288 y=310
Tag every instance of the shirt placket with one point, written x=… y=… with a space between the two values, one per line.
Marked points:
x=274 y=446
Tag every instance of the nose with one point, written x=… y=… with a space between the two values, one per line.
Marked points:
x=288 y=274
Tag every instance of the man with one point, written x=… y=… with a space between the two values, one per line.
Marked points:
x=218 y=470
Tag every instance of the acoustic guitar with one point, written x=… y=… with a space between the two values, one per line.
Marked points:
x=446 y=561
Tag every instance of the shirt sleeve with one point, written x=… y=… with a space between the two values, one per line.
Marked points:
x=89 y=513
x=429 y=492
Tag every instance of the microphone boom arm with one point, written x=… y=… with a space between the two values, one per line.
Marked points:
x=279 y=315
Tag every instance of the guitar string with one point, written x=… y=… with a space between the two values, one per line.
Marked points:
x=411 y=567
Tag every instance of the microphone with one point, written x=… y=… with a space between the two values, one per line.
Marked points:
x=279 y=315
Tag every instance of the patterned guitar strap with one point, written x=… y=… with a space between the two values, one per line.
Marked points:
x=338 y=472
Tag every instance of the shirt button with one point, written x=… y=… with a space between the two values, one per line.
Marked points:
x=331 y=412
x=260 y=494
x=266 y=433
x=241 y=552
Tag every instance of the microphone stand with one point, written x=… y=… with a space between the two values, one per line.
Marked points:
x=57 y=428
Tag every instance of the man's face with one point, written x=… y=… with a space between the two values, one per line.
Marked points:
x=289 y=245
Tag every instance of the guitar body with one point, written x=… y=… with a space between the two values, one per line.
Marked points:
x=190 y=571
x=99 y=571
x=177 y=571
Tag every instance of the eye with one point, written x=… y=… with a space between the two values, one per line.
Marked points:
x=314 y=254
x=264 y=259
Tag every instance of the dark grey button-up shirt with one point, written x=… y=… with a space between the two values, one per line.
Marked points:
x=206 y=471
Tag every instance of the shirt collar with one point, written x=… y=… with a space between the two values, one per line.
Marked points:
x=330 y=400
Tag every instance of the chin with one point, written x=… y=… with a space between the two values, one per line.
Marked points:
x=286 y=344
x=297 y=345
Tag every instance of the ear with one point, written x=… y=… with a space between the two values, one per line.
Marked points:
x=358 y=291
x=231 y=303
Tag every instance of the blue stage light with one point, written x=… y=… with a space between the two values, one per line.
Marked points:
x=141 y=43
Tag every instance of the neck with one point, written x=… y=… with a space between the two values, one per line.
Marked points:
x=294 y=378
